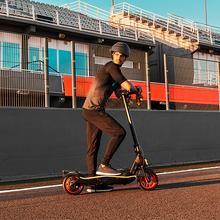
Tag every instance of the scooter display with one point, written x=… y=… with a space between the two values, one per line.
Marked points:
x=74 y=181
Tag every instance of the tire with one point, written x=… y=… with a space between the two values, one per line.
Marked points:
x=149 y=181
x=70 y=186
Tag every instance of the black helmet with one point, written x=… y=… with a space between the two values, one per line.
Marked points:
x=122 y=48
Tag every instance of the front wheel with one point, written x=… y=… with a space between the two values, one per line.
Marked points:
x=149 y=181
x=71 y=186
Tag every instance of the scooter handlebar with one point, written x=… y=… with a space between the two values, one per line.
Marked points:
x=127 y=94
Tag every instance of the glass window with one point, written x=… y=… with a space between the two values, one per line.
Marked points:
x=64 y=62
x=52 y=60
x=82 y=59
x=81 y=64
x=205 y=70
x=103 y=60
x=11 y=55
x=34 y=59
x=60 y=59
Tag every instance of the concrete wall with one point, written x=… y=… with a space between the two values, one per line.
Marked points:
x=43 y=142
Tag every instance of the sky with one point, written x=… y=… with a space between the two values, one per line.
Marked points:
x=190 y=9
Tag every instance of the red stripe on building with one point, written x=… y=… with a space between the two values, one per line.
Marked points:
x=196 y=95
x=177 y=93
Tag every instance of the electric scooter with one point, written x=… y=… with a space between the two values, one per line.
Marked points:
x=74 y=181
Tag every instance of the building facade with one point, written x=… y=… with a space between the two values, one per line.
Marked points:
x=53 y=53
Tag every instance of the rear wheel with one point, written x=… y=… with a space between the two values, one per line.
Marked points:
x=149 y=181
x=71 y=186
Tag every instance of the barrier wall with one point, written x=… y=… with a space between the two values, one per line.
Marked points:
x=43 y=142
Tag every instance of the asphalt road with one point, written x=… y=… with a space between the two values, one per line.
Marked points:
x=192 y=194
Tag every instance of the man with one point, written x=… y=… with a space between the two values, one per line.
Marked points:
x=108 y=79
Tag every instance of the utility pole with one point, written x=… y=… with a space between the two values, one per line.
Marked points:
x=46 y=75
x=112 y=8
x=205 y=12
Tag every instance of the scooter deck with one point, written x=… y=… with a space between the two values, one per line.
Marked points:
x=105 y=176
x=101 y=179
x=109 y=180
x=124 y=174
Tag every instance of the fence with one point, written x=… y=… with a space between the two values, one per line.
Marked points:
x=21 y=82
x=31 y=70
x=42 y=72
x=28 y=78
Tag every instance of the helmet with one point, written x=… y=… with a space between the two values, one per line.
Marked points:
x=122 y=48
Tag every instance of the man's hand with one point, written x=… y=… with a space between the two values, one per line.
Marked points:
x=126 y=85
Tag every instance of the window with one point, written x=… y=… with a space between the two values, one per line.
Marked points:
x=34 y=59
x=128 y=64
x=104 y=60
x=82 y=59
x=64 y=62
x=59 y=56
x=206 y=69
x=81 y=64
x=35 y=53
x=10 y=50
x=52 y=60
x=11 y=55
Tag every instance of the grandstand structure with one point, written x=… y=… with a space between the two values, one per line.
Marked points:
x=173 y=29
x=73 y=16
x=192 y=54
x=52 y=53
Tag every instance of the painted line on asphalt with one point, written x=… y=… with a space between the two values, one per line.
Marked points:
x=30 y=188
x=188 y=170
x=59 y=185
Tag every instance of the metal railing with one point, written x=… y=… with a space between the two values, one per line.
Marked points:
x=24 y=87
x=77 y=15
x=23 y=82
x=184 y=27
x=89 y=10
x=21 y=88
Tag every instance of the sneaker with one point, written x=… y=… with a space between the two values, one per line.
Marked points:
x=107 y=170
x=99 y=188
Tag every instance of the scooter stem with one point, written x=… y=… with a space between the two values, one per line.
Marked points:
x=134 y=136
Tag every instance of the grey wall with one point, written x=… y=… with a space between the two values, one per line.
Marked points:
x=43 y=142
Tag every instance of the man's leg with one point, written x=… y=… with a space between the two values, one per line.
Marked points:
x=110 y=126
x=117 y=133
x=93 y=143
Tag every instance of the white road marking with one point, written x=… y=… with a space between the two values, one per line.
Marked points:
x=30 y=188
x=188 y=170
x=59 y=185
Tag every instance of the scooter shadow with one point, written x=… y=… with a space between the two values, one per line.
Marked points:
x=114 y=190
x=167 y=186
x=203 y=182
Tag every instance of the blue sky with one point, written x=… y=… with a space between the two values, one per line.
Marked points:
x=191 y=9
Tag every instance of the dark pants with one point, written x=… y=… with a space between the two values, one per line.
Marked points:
x=98 y=122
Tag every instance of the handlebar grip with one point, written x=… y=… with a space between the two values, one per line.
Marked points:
x=127 y=94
